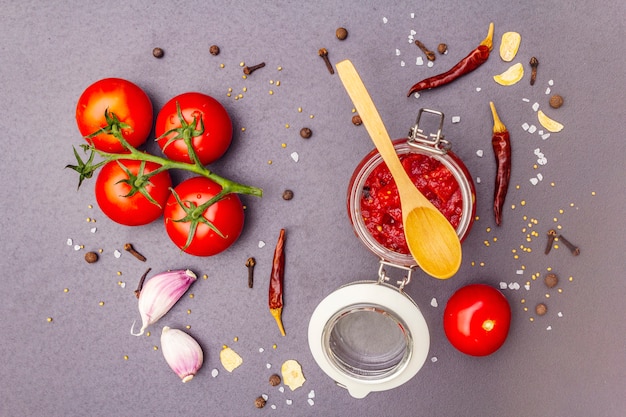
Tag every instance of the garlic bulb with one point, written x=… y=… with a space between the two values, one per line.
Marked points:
x=160 y=294
x=182 y=353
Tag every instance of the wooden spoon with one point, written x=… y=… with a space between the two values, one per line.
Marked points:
x=432 y=240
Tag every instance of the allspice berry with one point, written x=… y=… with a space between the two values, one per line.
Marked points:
x=341 y=33
x=556 y=101
x=541 y=309
x=551 y=280
x=442 y=48
x=274 y=380
x=214 y=50
x=91 y=257
x=306 y=133
x=259 y=402
x=158 y=53
x=356 y=120
x=287 y=195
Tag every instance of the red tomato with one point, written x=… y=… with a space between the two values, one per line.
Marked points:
x=209 y=144
x=126 y=101
x=112 y=192
x=477 y=319
x=226 y=216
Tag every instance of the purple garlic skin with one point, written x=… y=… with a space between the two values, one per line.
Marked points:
x=182 y=353
x=160 y=293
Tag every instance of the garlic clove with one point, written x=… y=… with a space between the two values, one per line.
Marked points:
x=159 y=295
x=182 y=353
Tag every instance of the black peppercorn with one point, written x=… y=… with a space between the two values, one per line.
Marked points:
x=158 y=53
x=305 y=132
x=287 y=195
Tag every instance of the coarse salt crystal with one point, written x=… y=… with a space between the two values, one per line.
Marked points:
x=385 y=20
x=478 y=180
x=479 y=153
x=456 y=119
x=512 y=286
x=402 y=63
x=551 y=82
x=117 y=253
x=397 y=52
x=264 y=396
x=549 y=328
x=310 y=401
x=93 y=229
x=525 y=126
x=311 y=394
x=532 y=129
x=433 y=302
x=503 y=285
x=69 y=242
x=520 y=272
x=540 y=132
x=430 y=64
x=537 y=151
x=478 y=89
x=122 y=284
x=419 y=61
x=412 y=15
x=413 y=32
x=295 y=156
x=273 y=406
x=548 y=90
x=281 y=389
x=546 y=136
x=527 y=287
x=410 y=39
x=215 y=373
x=261 y=243
x=534 y=181
x=77 y=247
x=416 y=95
x=261 y=350
x=268 y=365
x=560 y=314
x=433 y=359
x=526 y=100
x=288 y=401
x=535 y=106
x=516 y=286
x=542 y=161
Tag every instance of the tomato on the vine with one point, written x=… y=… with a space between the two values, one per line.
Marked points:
x=127 y=196
x=477 y=319
x=202 y=230
x=196 y=117
x=121 y=101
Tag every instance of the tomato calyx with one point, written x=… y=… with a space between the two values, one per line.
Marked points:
x=113 y=127
x=139 y=182
x=84 y=169
x=186 y=132
x=194 y=215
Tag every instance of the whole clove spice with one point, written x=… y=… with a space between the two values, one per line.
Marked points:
x=430 y=55
x=250 y=265
x=573 y=248
x=141 y=281
x=324 y=54
x=534 y=63
x=249 y=70
x=129 y=247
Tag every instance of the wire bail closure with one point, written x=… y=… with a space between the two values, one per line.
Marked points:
x=383 y=277
x=433 y=142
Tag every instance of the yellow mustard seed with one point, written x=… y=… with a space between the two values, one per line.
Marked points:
x=188 y=311
x=299 y=109
x=222 y=65
x=242 y=64
x=49 y=319
x=155 y=348
x=287 y=126
x=532 y=319
x=191 y=295
x=311 y=116
x=205 y=276
x=278 y=83
x=243 y=129
x=271 y=92
x=271 y=82
x=188 y=327
x=90 y=206
x=101 y=303
x=66 y=290
x=274 y=346
x=235 y=339
x=279 y=68
x=244 y=89
x=148 y=334
x=244 y=76
x=125 y=357
x=283 y=145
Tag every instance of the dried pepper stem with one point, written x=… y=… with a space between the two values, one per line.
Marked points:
x=501 y=143
x=276 y=282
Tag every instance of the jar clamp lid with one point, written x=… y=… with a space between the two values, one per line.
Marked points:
x=369 y=335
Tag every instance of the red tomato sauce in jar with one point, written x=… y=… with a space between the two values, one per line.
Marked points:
x=380 y=201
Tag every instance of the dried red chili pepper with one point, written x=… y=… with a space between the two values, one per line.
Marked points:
x=501 y=143
x=276 y=282
x=468 y=64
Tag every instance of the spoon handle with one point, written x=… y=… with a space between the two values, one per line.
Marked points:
x=373 y=122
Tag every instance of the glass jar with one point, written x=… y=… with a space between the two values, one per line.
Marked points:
x=438 y=153
x=370 y=335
